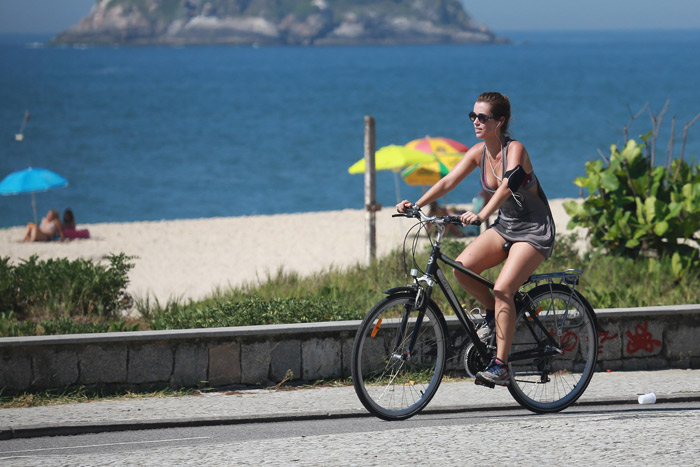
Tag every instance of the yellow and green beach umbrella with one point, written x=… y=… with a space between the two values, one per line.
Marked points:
x=428 y=173
x=392 y=157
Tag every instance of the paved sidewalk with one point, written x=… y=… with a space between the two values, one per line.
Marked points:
x=260 y=405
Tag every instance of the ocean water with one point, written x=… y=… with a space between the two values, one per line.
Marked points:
x=152 y=133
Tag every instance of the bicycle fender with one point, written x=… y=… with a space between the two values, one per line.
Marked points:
x=404 y=289
x=411 y=292
x=582 y=299
x=592 y=310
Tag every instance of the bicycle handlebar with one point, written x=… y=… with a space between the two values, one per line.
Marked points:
x=418 y=214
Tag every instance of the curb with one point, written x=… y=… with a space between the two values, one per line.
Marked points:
x=107 y=427
x=32 y=431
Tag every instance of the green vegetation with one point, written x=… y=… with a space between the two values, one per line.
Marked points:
x=635 y=209
x=249 y=311
x=609 y=282
x=444 y=12
x=81 y=394
x=59 y=287
x=641 y=220
x=638 y=209
x=447 y=12
x=280 y=9
x=162 y=11
x=58 y=296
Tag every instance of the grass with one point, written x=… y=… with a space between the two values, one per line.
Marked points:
x=346 y=294
x=609 y=281
x=84 y=395
x=335 y=294
x=81 y=395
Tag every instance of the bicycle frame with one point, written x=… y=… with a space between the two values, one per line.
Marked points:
x=401 y=350
x=435 y=274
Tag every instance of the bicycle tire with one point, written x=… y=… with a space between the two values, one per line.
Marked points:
x=547 y=384
x=389 y=385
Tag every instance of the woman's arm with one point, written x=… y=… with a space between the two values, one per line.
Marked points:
x=446 y=184
x=517 y=155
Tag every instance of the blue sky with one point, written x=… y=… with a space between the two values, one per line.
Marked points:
x=53 y=16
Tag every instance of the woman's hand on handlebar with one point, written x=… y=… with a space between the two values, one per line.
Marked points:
x=403 y=205
x=469 y=218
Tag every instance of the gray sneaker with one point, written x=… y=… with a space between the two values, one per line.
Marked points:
x=486 y=331
x=495 y=373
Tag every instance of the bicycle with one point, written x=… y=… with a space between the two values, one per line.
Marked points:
x=400 y=350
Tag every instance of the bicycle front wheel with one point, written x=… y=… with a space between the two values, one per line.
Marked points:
x=547 y=378
x=393 y=380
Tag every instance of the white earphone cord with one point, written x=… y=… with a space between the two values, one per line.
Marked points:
x=516 y=196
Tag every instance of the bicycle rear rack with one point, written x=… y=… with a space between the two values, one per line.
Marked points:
x=570 y=277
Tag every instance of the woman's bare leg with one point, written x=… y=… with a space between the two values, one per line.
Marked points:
x=522 y=261
x=486 y=251
x=28 y=231
x=37 y=235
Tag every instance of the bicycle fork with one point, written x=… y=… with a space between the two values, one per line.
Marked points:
x=419 y=303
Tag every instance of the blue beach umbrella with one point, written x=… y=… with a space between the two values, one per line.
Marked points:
x=31 y=181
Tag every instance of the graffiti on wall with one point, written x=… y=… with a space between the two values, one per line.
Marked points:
x=604 y=337
x=641 y=339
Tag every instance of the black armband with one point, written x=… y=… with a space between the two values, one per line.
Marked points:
x=516 y=177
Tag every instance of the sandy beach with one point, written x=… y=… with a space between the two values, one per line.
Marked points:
x=188 y=259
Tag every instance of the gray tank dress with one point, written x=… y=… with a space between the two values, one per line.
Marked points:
x=525 y=216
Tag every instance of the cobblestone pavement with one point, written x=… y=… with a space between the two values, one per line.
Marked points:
x=643 y=435
x=261 y=404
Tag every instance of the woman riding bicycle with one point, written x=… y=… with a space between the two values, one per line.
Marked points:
x=523 y=234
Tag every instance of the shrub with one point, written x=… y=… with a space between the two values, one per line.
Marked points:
x=634 y=208
x=61 y=288
x=11 y=327
x=251 y=311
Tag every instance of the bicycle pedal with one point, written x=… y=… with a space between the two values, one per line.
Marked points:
x=481 y=382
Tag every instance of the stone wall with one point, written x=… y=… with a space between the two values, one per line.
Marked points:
x=631 y=339
x=649 y=338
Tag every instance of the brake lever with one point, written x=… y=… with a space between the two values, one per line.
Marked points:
x=410 y=212
x=458 y=221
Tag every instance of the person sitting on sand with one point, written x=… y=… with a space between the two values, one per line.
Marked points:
x=49 y=229
x=70 y=231
x=68 y=220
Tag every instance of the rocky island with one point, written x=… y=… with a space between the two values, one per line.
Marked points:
x=276 y=22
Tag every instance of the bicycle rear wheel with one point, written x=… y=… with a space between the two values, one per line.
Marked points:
x=390 y=383
x=543 y=379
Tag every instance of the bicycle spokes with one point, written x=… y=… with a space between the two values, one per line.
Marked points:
x=554 y=350
x=398 y=358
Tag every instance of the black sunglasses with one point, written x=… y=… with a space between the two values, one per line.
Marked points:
x=482 y=118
